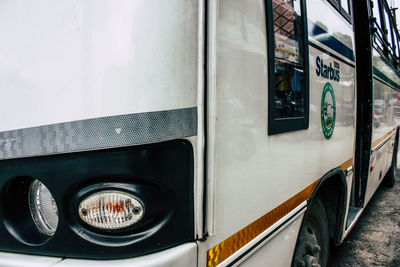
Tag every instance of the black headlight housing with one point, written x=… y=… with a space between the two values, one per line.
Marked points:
x=159 y=174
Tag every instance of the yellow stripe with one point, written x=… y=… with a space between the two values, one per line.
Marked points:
x=226 y=248
x=377 y=142
x=347 y=164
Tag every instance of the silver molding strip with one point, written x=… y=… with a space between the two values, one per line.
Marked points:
x=267 y=235
x=99 y=133
x=382 y=143
x=211 y=135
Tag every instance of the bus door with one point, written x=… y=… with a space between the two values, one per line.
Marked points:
x=363 y=44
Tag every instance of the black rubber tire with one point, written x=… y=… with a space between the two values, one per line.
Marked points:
x=313 y=232
x=390 y=176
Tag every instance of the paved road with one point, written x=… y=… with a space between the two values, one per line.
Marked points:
x=375 y=239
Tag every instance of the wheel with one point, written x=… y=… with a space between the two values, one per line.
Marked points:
x=391 y=174
x=312 y=248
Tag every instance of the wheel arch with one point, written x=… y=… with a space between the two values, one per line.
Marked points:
x=332 y=191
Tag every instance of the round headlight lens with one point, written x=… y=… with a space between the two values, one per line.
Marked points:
x=43 y=208
x=111 y=210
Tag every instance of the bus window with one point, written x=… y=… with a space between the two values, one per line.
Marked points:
x=379 y=35
x=287 y=93
x=388 y=31
x=345 y=6
x=376 y=13
x=397 y=48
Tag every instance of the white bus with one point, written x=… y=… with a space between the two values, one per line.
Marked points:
x=191 y=132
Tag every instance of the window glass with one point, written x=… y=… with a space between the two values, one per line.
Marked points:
x=289 y=96
x=380 y=33
x=376 y=14
x=345 y=5
x=390 y=36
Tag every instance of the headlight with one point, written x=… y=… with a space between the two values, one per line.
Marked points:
x=111 y=210
x=43 y=208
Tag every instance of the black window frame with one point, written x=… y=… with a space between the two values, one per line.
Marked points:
x=379 y=39
x=278 y=125
x=391 y=49
x=338 y=5
x=390 y=30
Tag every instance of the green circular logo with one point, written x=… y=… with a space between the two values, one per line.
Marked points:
x=328 y=110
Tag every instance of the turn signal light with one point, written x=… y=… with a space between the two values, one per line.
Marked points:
x=111 y=210
x=43 y=208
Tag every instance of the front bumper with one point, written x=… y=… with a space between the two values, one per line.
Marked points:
x=181 y=256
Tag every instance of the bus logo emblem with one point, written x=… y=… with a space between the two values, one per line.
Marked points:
x=328 y=110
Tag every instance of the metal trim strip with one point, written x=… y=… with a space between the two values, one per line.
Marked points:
x=99 y=133
x=382 y=140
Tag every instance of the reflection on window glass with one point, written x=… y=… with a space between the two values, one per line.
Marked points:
x=345 y=5
x=377 y=15
x=289 y=65
x=390 y=36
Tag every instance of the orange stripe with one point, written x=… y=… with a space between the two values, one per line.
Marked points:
x=347 y=164
x=377 y=142
x=226 y=248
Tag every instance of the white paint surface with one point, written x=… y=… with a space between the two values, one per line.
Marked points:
x=71 y=60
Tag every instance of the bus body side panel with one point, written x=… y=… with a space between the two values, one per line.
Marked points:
x=385 y=122
x=255 y=173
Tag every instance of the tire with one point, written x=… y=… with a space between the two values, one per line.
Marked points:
x=312 y=248
x=390 y=176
